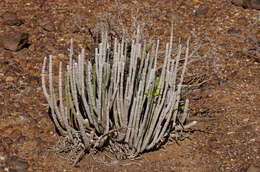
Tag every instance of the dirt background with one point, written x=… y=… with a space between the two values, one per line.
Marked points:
x=224 y=85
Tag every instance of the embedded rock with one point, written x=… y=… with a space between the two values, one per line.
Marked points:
x=18 y=164
x=14 y=41
x=11 y=19
x=251 y=4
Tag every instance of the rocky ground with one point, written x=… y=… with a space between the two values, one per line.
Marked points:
x=224 y=85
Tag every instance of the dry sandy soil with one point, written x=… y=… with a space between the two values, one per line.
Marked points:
x=224 y=85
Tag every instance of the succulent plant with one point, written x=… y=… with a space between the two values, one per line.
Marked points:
x=118 y=99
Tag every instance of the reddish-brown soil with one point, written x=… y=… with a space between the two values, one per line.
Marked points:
x=224 y=96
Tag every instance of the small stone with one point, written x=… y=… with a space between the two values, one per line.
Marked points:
x=201 y=11
x=2 y=158
x=49 y=27
x=61 y=56
x=237 y=2
x=23 y=117
x=40 y=143
x=246 y=120
x=18 y=164
x=255 y=4
x=9 y=79
x=22 y=139
x=230 y=133
x=14 y=41
x=253 y=169
x=251 y=4
x=233 y=31
x=11 y=19
x=7 y=141
x=14 y=135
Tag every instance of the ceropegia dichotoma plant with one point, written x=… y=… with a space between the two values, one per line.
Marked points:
x=118 y=98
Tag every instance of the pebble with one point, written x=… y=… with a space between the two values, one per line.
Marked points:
x=11 y=19
x=9 y=79
x=253 y=169
x=15 y=135
x=7 y=141
x=233 y=31
x=23 y=117
x=18 y=164
x=2 y=158
x=61 y=56
x=48 y=26
x=251 y=4
x=201 y=11
x=14 y=41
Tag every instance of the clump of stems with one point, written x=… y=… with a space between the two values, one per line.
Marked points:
x=119 y=98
